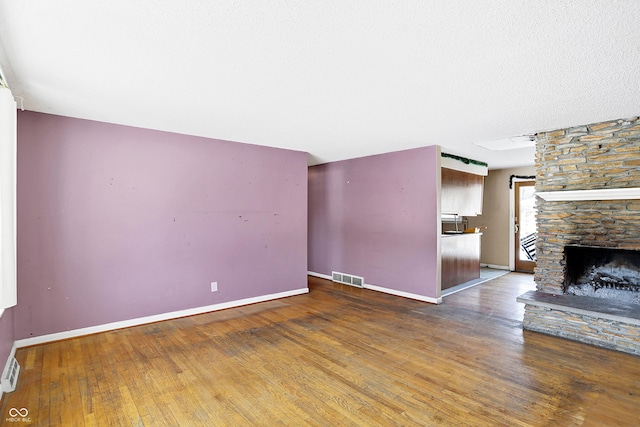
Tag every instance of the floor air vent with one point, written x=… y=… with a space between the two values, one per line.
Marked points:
x=10 y=376
x=348 y=279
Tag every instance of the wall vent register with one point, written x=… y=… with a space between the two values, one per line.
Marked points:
x=10 y=376
x=347 y=279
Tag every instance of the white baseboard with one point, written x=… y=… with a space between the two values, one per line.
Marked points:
x=403 y=294
x=497 y=267
x=151 y=319
x=386 y=290
x=322 y=276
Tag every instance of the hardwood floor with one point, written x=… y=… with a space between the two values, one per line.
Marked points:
x=336 y=356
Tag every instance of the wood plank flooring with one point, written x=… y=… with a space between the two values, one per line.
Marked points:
x=338 y=356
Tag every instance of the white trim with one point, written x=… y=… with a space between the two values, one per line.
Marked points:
x=322 y=276
x=581 y=195
x=438 y=230
x=8 y=205
x=155 y=318
x=403 y=294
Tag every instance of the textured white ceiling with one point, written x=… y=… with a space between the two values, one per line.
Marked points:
x=338 y=79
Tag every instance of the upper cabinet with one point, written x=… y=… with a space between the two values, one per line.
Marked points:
x=461 y=193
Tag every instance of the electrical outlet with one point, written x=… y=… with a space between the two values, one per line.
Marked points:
x=214 y=286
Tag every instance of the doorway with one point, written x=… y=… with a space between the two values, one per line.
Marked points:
x=525 y=226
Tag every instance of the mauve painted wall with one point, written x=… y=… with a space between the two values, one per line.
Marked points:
x=376 y=217
x=6 y=336
x=116 y=222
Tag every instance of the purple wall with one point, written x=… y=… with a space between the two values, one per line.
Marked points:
x=6 y=336
x=116 y=222
x=376 y=217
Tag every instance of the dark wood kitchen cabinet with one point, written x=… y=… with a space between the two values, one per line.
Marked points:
x=461 y=193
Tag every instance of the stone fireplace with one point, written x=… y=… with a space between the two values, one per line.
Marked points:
x=588 y=248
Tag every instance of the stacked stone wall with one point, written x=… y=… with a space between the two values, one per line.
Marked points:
x=598 y=156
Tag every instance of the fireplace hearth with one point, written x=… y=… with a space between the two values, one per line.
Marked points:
x=603 y=273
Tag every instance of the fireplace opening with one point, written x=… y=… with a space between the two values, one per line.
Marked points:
x=603 y=273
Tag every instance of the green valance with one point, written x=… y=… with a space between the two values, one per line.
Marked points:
x=464 y=160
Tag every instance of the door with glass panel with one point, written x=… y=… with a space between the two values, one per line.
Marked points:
x=525 y=226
